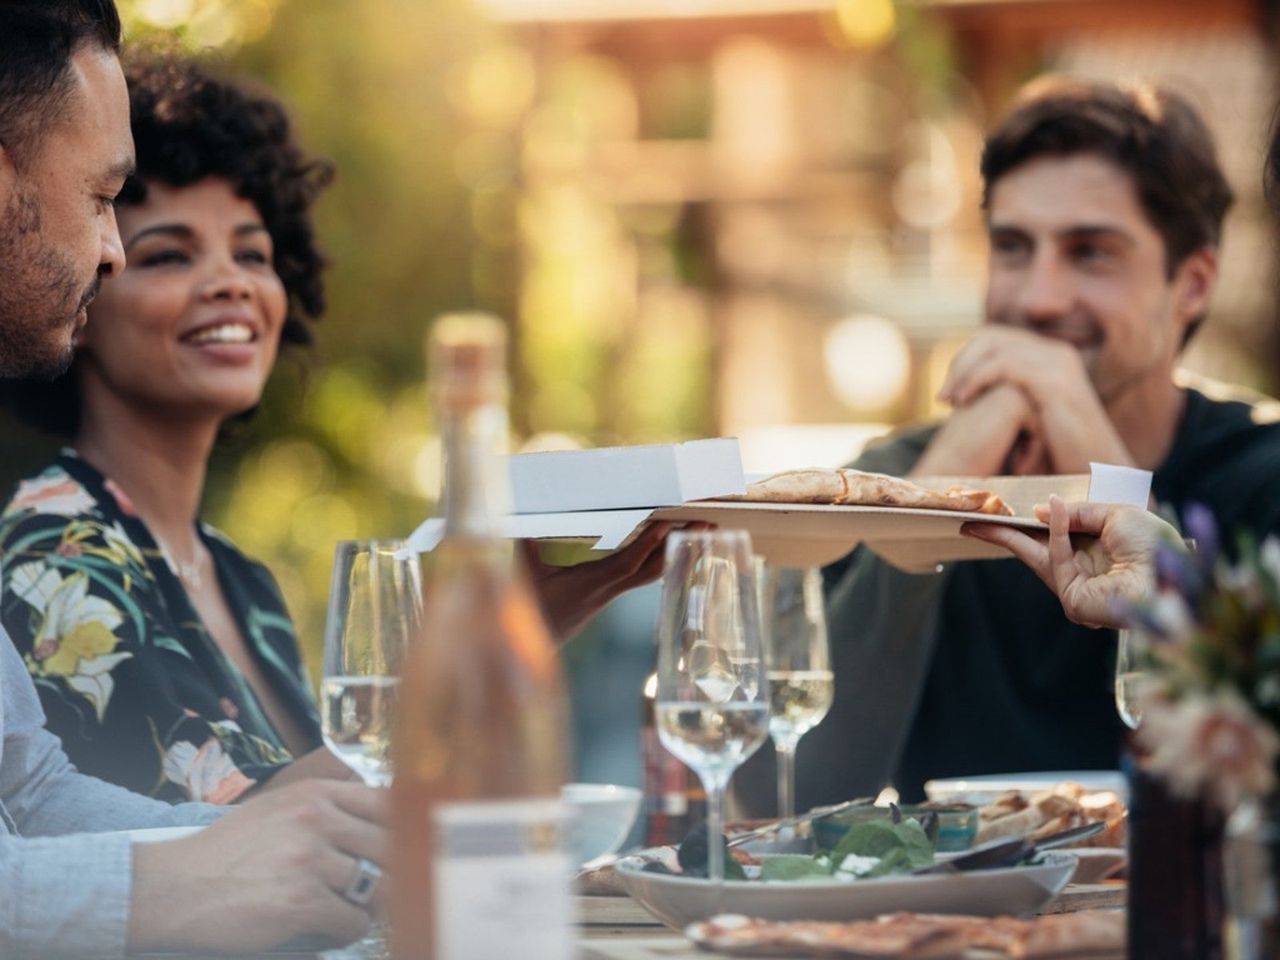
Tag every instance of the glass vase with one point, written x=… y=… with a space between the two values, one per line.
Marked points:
x=1175 y=873
x=1251 y=879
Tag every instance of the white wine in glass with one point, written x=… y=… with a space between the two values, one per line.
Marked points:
x=374 y=609
x=1131 y=679
x=712 y=707
x=801 y=684
x=357 y=717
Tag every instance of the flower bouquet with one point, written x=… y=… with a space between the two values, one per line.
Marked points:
x=1209 y=735
x=1210 y=632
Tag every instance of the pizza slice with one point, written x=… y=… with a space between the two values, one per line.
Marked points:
x=898 y=935
x=918 y=936
x=860 y=488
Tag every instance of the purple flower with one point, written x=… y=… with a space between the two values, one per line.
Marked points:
x=1144 y=618
x=1200 y=526
x=1178 y=571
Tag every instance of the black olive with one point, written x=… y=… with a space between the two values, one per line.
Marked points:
x=930 y=822
x=692 y=854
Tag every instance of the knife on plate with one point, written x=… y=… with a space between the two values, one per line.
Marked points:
x=1008 y=851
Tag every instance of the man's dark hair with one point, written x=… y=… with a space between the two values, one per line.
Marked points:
x=1152 y=134
x=37 y=41
x=190 y=123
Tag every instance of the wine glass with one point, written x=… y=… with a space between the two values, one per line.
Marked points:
x=798 y=665
x=1131 y=677
x=712 y=706
x=375 y=603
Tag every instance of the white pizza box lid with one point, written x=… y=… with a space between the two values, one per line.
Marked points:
x=802 y=535
x=625 y=478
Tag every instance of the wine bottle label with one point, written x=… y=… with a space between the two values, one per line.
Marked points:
x=675 y=804
x=502 y=881
x=671 y=792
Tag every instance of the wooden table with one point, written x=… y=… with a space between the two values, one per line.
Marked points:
x=618 y=928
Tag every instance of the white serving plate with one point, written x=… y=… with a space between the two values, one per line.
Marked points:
x=680 y=901
x=983 y=789
x=1095 y=864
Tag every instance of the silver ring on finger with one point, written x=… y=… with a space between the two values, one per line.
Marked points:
x=362 y=886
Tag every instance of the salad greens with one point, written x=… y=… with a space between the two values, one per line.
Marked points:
x=872 y=849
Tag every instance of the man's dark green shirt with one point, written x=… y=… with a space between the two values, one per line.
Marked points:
x=975 y=669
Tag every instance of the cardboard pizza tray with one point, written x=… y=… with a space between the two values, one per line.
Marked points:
x=802 y=535
x=911 y=539
x=625 y=478
x=813 y=535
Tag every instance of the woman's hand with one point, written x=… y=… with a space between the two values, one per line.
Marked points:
x=319 y=764
x=1093 y=582
x=571 y=596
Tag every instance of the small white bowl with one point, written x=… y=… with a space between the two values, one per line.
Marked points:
x=601 y=817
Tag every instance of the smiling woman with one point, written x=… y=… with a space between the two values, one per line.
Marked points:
x=165 y=658
x=192 y=326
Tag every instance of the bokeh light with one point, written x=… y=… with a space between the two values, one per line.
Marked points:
x=868 y=362
x=201 y=24
x=495 y=88
x=866 y=23
x=166 y=14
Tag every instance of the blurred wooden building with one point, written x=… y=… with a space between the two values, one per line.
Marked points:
x=771 y=206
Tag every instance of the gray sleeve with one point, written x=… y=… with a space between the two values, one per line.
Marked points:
x=882 y=623
x=43 y=792
x=61 y=894
x=64 y=897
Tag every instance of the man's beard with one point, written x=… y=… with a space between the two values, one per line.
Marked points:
x=39 y=299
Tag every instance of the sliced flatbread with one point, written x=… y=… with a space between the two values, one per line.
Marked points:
x=1075 y=934
x=859 y=488
x=898 y=935
x=1041 y=814
x=917 y=936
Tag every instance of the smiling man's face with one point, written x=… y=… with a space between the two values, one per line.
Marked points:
x=1074 y=256
x=58 y=235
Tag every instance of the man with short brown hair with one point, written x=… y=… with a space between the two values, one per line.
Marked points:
x=1104 y=208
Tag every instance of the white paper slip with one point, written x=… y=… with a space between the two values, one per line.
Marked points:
x=1109 y=483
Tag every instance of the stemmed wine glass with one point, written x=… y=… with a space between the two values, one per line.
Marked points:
x=798 y=665
x=375 y=603
x=1131 y=677
x=711 y=708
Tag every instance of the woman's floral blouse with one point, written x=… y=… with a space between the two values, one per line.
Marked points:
x=128 y=676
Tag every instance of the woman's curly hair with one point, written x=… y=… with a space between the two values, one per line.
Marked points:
x=190 y=123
